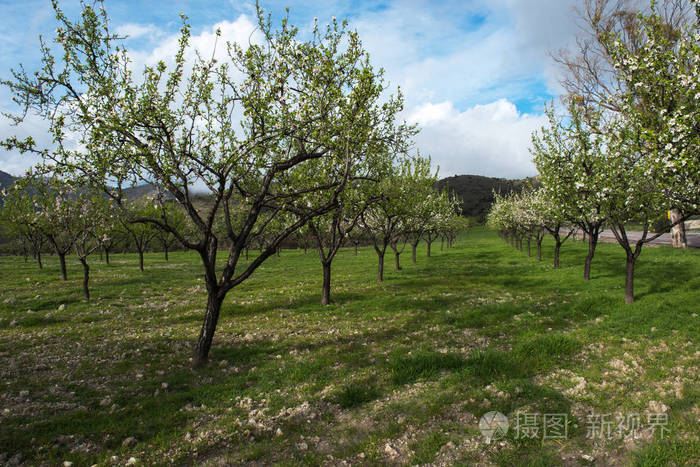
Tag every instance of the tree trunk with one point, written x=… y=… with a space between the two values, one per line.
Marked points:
x=529 y=251
x=62 y=261
x=380 y=274
x=206 y=334
x=396 y=261
x=326 y=292
x=539 y=249
x=278 y=251
x=629 y=279
x=442 y=243
x=248 y=249
x=413 y=252
x=107 y=255
x=86 y=278
x=165 y=247
x=557 y=247
x=428 y=243
x=678 y=239
x=355 y=249
x=141 y=259
x=592 y=242
x=38 y=259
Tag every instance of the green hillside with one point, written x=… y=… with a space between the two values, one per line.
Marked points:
x=476 y=191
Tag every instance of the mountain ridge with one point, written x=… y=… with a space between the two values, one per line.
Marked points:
x=6 y=180
x=475 y=192
x=135 y=192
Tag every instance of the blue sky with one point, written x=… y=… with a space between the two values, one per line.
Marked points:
x=475 y=74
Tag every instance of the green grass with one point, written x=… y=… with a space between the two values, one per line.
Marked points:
x=357 y=393
x=422 y=366
x=425 y=449
x=545 y=351
x=396 y=372
x=492 y=364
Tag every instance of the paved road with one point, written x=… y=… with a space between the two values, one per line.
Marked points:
x=692 y=238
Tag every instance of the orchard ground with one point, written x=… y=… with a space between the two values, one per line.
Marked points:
x=397 y=372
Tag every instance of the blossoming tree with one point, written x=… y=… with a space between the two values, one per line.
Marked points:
x=385 y=221
x=90 y=224
x=654 y=137
x=612 y=57
x=18 y=216
x=571 y=159
x=259 y=130
x=133 y=221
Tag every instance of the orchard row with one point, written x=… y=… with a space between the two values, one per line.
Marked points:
x=627 y=150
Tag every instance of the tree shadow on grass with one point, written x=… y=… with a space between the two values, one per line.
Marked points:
x=154 y=418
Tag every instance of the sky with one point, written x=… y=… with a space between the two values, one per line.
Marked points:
x=475 y=73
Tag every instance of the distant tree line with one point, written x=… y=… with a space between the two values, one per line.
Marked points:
x=475 y=193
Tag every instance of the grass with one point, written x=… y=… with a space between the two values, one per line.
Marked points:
x=409 y=368
x=426 y=448
x=357 y=393
x=492 y=364
x=390 y=373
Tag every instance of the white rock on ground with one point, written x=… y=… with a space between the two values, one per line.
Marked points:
x=130 y=441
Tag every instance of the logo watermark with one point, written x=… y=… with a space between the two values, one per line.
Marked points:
x=495 y=425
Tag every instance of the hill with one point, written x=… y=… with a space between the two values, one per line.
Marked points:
x=476 y=191
x=146 y=189
x=6 y=180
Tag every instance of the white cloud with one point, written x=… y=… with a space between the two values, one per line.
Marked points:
x=13 y=162
x=444 y=62
x=434 y=55
x=242 y=31
x=491 y=139
x=460 y=79
x=135 y=31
